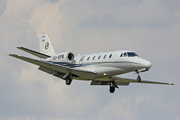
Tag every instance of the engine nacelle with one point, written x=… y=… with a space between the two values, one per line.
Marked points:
x=67 y=57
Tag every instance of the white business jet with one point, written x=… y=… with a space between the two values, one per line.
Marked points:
x=99 y=68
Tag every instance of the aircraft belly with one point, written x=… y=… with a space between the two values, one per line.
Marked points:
x=108 y=69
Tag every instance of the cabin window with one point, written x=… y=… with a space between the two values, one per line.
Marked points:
x=99 y=57
x=110 y=55
x=93 y=58
x=125 y=54
x=88 y=58
x=105 y=56
x=121 y=55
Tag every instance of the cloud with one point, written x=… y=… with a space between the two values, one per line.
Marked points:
x=148 y=27
x=43 y=19
x=2 y=6
x=149 y=13
x=117 y=110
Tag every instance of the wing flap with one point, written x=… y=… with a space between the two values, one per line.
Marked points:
x=94 y=82
x=34 y=52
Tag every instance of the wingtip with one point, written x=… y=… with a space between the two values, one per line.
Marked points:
x=10 y=54
x=18 y=47
x=171 y=84
x=14 y=55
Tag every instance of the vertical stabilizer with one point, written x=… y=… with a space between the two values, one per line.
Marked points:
x=45 y=45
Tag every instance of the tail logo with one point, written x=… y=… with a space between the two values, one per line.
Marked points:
x=46 y=45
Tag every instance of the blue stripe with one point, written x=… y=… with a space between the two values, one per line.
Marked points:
x=80 y=65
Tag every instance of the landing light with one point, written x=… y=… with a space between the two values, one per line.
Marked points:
x=171 y=84
x=104 y=74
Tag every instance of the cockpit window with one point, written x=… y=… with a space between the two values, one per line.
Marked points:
x=132 y=54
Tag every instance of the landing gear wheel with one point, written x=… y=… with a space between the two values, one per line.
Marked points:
x=139 y=79
x=68 y=81
x=111 y=89
x=112 y=85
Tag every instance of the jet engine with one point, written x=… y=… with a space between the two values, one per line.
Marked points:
x=63 y=58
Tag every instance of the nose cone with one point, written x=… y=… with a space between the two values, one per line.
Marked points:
x=146 y=64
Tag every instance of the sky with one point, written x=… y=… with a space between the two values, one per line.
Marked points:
x=148 y=27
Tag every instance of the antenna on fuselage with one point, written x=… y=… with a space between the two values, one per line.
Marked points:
x=63 y=45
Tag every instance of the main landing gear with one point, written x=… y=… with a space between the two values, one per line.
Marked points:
x=68 y=78
x=112 y=86
x=68 y=81
x=138 y=76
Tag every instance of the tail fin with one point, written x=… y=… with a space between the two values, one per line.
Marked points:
x=45 y=45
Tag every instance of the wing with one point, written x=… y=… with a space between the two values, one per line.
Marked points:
x=118 y=79
x=34 y=52
x=123 y=81
x=45 y=66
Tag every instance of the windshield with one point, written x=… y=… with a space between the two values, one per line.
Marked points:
x=132 y=54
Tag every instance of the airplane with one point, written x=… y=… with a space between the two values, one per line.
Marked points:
x=99 y=68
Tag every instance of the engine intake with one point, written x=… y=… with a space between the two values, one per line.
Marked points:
x=70 y=56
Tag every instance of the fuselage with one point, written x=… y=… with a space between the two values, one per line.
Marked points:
x=105 y=63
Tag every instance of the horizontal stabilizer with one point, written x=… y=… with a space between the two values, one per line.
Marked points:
x=34 y=52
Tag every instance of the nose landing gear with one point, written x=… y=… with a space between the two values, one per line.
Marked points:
x=138 y=76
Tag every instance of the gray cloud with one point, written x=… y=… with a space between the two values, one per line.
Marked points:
x=144 y=13
x=2 y=6
x=148 y=27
